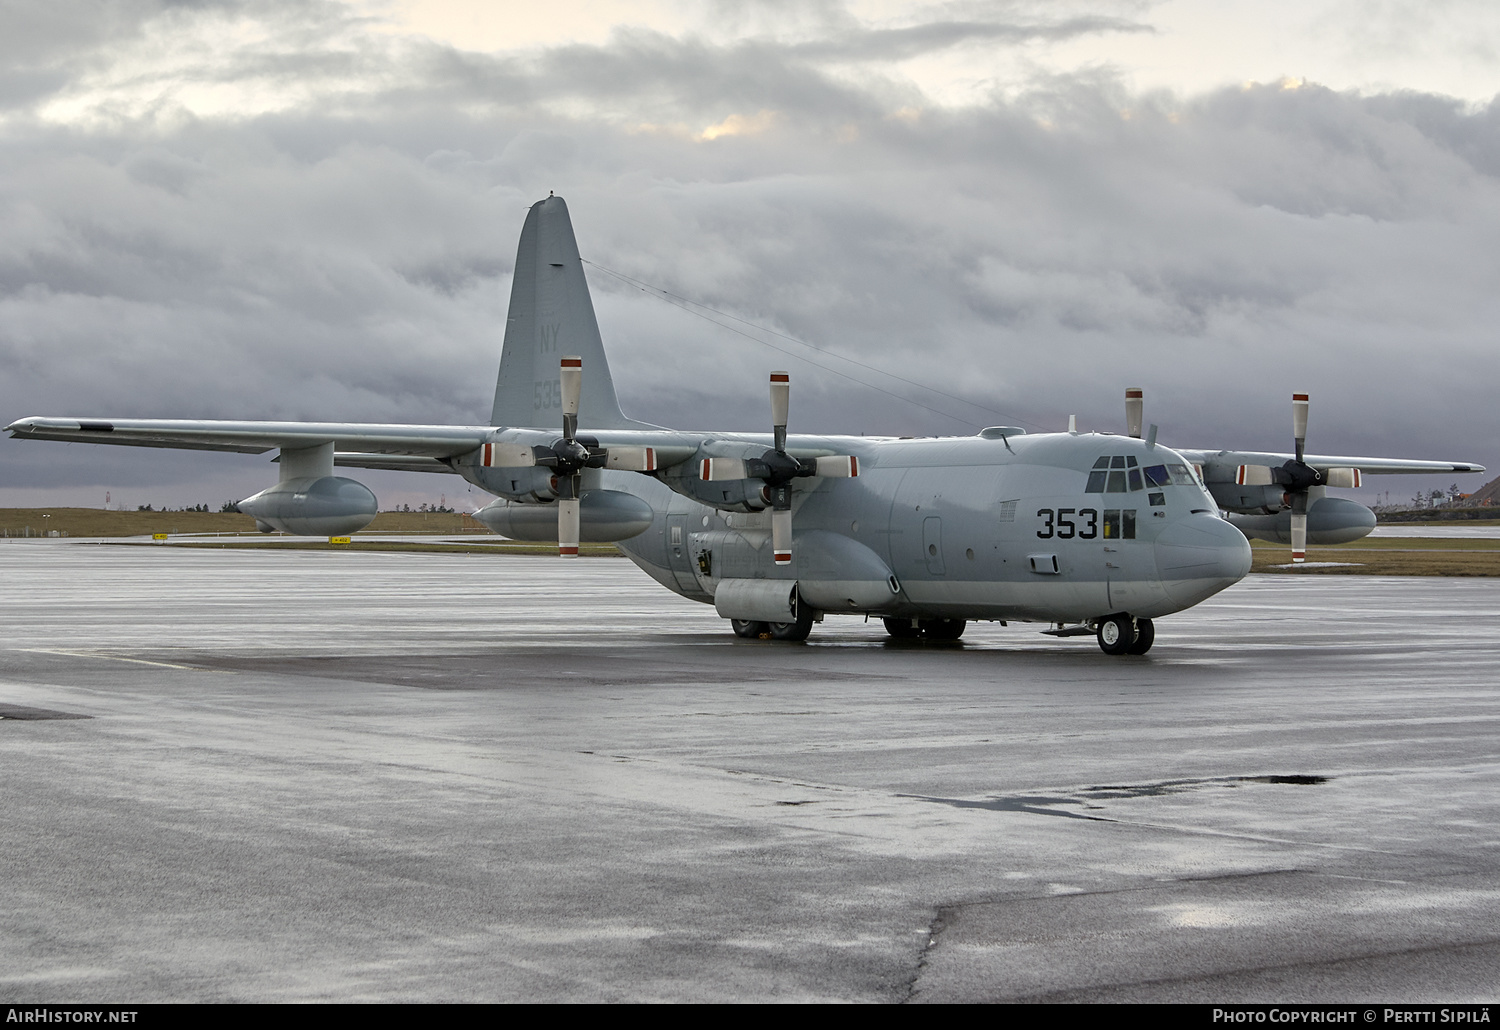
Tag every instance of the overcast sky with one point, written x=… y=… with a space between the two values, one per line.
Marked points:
x=309 y=210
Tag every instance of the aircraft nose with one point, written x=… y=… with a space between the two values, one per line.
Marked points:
x=1200 y=555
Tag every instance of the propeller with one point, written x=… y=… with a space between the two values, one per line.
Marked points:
x=1297 y=478
x=776 y=468
x=568 y=457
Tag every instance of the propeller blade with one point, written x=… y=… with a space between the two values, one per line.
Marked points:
x=1299 y=423
x=781 y=536
x=781 y=386
x=837 y=466
x=571 y=379
x=1346 y=478
x=714 y=469
x=1299 y=528
x=1135 y=410
x=1253 y=475
x=506 y=456
x=567 y=528
x=633 y=459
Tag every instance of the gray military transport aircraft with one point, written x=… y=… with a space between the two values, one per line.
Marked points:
x=1090 y=533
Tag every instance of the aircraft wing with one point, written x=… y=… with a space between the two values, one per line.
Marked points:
x=1367 y=466
x=257 y=437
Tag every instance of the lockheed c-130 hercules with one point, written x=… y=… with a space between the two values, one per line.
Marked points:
x=1088 y=533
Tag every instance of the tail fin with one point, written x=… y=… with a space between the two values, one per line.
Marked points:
x=551 y=315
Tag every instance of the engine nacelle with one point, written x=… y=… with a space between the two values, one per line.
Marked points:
x=1330 y=520
x=603 y=516
x=313 y=506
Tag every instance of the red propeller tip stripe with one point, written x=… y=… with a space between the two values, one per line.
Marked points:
x=1299 y=396
x=572 y=362
x=780 y=377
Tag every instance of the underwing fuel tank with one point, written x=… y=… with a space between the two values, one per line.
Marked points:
x=312 y=506
x=604 y=516
x=1330 y=520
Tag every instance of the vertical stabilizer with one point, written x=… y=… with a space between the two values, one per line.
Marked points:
x=551 y=315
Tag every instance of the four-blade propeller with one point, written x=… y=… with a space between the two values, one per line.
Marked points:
x=1297 y=478
x=776 y=468
x=568 y=457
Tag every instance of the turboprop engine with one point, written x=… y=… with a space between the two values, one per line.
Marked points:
x=1330 y=520
x=603 y=516
x=309 y=500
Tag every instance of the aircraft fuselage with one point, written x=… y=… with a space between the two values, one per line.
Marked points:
x=1028 y=527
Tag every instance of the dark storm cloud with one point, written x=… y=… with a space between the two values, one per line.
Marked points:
x=349 y=258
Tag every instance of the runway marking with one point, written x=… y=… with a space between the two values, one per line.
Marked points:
x=112 y=658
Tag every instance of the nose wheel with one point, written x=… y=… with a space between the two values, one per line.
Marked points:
x=1120 y=634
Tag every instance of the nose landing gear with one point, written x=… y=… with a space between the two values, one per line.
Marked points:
x=1120 y=634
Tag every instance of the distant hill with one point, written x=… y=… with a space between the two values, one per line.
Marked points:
x=1487 y=494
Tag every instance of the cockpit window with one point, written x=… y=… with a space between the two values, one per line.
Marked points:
x=1121 y=473
x=1181 y=475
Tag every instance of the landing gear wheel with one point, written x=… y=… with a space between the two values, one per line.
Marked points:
x=749 y=630
x=943 y=629
x=798 y=630
x=1145 y=636
x=1116 y=634
x=902 y=629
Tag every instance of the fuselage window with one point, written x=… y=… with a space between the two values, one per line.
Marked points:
x=1096 y=480
x=1181 y=476
x=1119 y=524
x=1156 y=475
x=1116 y=483
x=1117 y=462
x=1135 y=479
x=1158 y=499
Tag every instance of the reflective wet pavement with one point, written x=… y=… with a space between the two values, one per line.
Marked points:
x=322 y=775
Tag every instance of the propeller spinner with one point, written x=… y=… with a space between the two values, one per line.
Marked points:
x=776 y=468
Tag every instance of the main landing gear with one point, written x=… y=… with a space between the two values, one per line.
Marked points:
x=799 y=630
x=931 y=629
x=1120 y=634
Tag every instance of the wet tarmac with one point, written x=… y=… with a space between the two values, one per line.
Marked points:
x=275 y=776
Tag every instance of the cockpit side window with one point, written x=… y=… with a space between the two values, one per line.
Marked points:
x=1181 y=476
